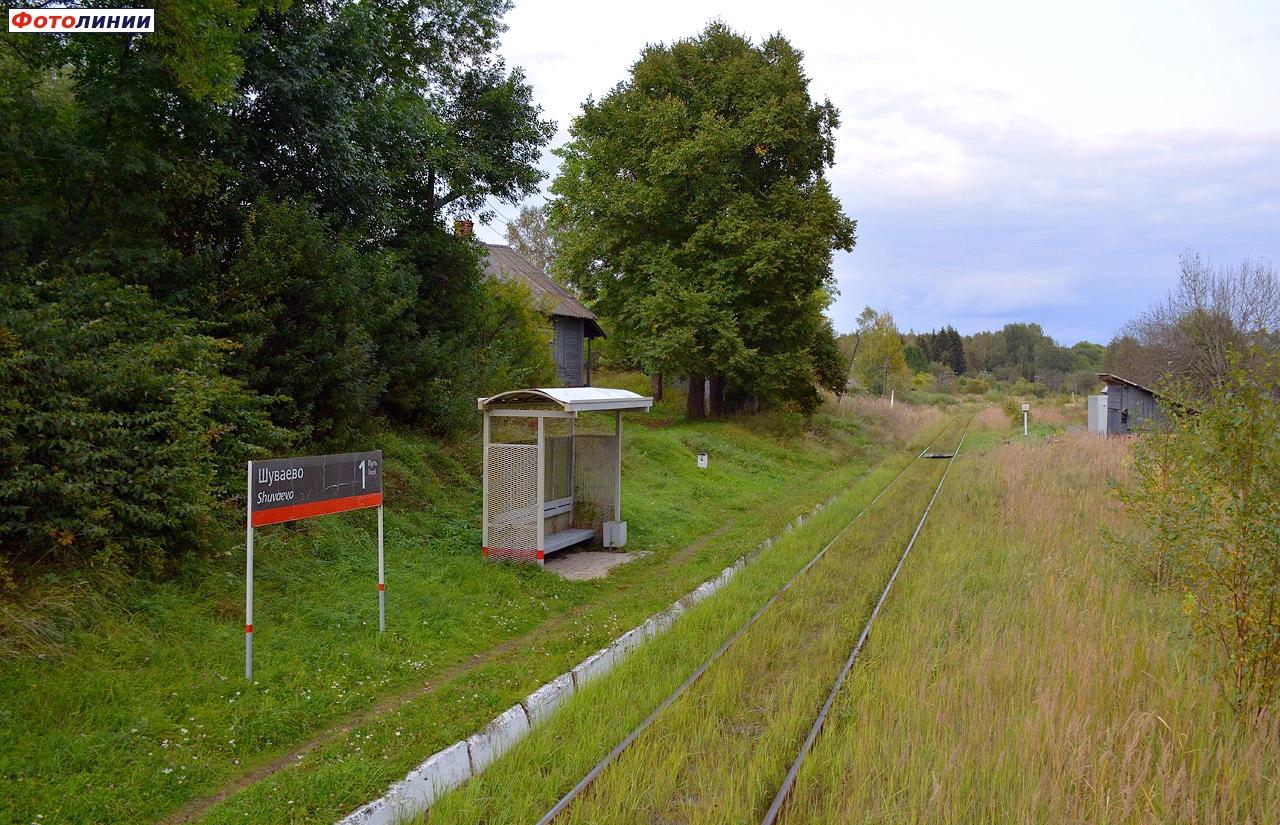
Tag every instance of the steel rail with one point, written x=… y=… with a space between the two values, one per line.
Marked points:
x=775 y=809
x=631 y=737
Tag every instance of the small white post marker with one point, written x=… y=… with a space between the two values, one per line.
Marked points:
x=1026 y=408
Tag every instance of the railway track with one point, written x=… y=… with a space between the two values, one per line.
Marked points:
x=779 y=800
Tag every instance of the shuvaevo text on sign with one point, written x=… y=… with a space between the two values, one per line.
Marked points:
x=286 y=489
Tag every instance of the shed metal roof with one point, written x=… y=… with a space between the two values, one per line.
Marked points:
x=506 y=263
x=1108 y=378
x=569 y=399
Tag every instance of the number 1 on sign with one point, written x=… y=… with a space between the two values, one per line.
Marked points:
x=362 y=478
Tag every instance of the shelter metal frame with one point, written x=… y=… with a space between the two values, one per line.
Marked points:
x=518 y=521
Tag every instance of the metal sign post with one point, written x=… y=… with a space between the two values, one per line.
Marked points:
x=382 y=584
x=288 y=489
x=248 y=578
x=1026 y=408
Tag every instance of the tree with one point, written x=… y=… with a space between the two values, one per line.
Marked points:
x=915 y=358
x=692 y=210
x=531 y=237
x=163 y=161
x=1211 y=313
x=273 y=178
x=297 y=299
x=386 y=115
x=118 y=429
x=880 y=365
x=980 y=351
x=1087 y=355
x=1019 y=343
x=829 y=363
x=953 y=348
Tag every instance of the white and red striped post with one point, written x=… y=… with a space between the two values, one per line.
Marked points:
x=382 y=584
x=248 y=576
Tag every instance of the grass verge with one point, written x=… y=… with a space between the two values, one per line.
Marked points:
x=136 y=709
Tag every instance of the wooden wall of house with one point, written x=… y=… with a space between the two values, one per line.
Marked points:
x=1140 y=405
x=567 y=349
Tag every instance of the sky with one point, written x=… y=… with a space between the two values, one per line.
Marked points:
x=1005 y=161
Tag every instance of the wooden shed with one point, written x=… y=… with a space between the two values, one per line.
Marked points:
x=1122 y=406
x=552 y=470
x=574 y=325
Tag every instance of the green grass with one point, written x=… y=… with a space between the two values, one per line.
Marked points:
x=716 y=755
x=1018 y=674
x=129 y=704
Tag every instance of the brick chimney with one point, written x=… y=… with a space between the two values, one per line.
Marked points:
x=463 y=229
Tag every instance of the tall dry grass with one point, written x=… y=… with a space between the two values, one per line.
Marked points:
x=991 y=418
x=1020 y=675
x=901 y=424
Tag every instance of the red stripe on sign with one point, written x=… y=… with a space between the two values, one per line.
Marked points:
x=248 y=628
x=315 y=508
x=381 y=586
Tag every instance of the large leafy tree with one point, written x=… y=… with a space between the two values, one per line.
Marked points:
x=387 y=115
x=529 y=235
x=692 y=209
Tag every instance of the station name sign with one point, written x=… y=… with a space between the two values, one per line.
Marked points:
x=287 y=489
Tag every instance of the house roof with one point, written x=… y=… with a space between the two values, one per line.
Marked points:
x=506 y=263
x=1108 y=378
x=1169 y=402
x=569 y=399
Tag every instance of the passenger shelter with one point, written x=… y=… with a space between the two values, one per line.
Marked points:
x=552 y=469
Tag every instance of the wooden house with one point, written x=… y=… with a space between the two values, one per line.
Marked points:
x=574 y=326
x=1122 y=406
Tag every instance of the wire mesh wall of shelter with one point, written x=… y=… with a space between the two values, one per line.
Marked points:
x=557 y=471
x=511 y=515
x=595 y=470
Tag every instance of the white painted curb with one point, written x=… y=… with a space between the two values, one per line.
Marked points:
x=442 y=772
x=542 y=702
x=593 y=667
x=506 y=729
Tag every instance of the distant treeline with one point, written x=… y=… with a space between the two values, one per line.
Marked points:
x=230 y=237
x=1189 y=338
x=884 y=357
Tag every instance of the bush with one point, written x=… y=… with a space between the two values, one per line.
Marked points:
x=1013 y=409
x=975 y=386
x=1207 y=487
x=118 y=430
